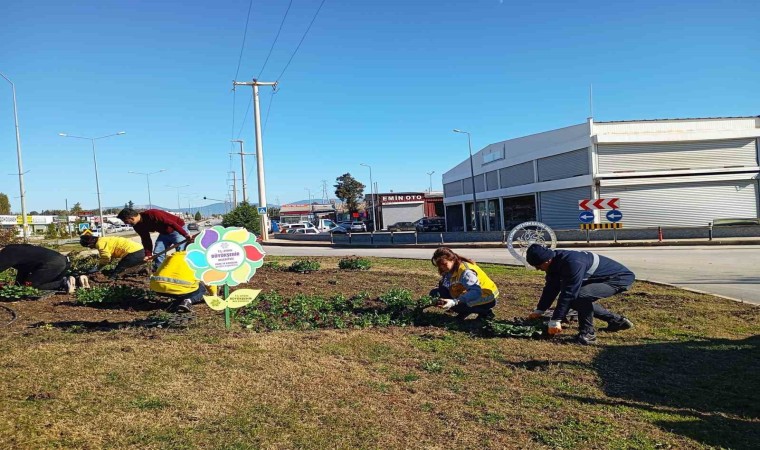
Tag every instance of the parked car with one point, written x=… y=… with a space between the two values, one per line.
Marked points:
x=345 y=224
x=431 y=224
x=358 y=226
x=192 y=226
x=337 y=230
x=402 y=226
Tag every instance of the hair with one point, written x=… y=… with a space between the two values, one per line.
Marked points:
x=127 y=213
x=87 y=239
x=447 y=254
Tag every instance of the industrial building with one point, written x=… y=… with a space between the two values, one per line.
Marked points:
x=666 y=172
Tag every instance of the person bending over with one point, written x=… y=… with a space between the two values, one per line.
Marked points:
x=464 y=288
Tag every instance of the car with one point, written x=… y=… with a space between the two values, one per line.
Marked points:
x=402 y=226
x=337 y=230
x=431 y=224
x=358 y=226
x=192 y=226
x=345 y=224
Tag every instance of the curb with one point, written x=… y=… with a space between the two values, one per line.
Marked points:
x=573 y=244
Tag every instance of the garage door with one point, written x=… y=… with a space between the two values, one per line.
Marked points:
x=402 y=213
x=685 y=204
x=559 y=209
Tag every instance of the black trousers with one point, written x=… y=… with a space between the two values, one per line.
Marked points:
x=47 y=277
x=588 y=308
x=131 y=260
x=461 y=308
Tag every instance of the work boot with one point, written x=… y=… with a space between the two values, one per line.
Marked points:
x=622 y=324
x=488 y=315
x=184 y=306
x=586 y=338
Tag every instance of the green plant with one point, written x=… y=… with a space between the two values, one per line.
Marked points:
x=246 y=216
x=516 y=328
x=273 y=265
x=8 y=276
x=103 y=295
x=14 y=292
x=304 y=266
x=354 y=263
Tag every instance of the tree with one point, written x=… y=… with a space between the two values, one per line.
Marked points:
x=349 y=191
x=274 y=213
x=5 y=204
x=198 y=216
x=76 y=209
x=245 y=216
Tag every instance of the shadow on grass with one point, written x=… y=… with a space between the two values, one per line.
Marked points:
x=715 y=382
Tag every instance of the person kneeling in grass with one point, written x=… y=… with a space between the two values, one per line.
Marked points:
x=131 y=253
x=580 y=279
x=464 y=287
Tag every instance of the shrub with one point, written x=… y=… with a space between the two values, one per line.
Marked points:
x=354 y=263
x=104 y=295
x=8 y=276
x=9 y=236
x=273 y=265
x=304 y=266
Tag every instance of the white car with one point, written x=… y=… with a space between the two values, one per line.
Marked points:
x=307 y=230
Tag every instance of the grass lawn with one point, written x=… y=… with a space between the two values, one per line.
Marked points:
x=687 y=375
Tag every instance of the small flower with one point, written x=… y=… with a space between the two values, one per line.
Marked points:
x=27 y=283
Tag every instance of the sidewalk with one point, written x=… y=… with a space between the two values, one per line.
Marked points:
x=499 y=244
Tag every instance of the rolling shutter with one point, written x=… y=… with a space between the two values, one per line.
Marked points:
x=559 y=209
x=517 y=175
x=615 y=158
x=564 y=165
x=684 y=204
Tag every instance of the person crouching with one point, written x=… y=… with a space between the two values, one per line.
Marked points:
x=175 y=279
x=464 y=288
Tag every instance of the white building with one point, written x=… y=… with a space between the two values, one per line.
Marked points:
x=670 y=172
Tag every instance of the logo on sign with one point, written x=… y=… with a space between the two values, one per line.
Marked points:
x=614 y=216
x=84 y=226
x=600 y=203
x=586 y=217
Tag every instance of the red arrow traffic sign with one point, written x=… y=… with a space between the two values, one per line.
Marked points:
x=600 y=203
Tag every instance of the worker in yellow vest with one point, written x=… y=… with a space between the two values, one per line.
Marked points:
x=464 y=287
x=129 y=253
x=175 y=279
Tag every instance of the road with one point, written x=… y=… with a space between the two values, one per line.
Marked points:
x=729 y=271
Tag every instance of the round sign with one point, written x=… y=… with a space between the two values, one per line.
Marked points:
x=586 y=216
x=527 y=233
x=614 y=215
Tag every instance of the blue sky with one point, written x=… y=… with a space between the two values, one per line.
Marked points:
x=381 y=83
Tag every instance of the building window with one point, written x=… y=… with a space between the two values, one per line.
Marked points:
x=518 y=210
x=454 y=218
x=494 y=215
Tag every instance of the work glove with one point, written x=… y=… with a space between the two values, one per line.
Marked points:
x=555 y=327
x=536 y=314
x=446 y=303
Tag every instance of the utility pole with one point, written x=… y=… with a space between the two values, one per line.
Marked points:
x=234 y=189
x=430 y=174
x=259 y=148
x=22 y=191
x=242 y=166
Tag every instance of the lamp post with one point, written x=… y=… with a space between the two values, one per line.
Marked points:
x=20 y=164
x=178 y=188
x=147 y=177
x=372 y=196
x=95 y=161
x=311 y=209
x=430 y=174
x=472 y=178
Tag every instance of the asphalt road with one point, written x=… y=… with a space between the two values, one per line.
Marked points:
x=729 y=271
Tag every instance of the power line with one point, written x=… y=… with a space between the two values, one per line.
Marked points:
x=302 y=39
x=275 y=40
x=237 y=71
x=269 y=108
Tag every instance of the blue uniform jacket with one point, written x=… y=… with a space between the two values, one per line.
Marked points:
x=570 y=269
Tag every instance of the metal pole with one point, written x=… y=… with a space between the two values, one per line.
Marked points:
x=430 y=175
x=472 y=178
x=20 y=164
x=150 y=202
x=97 y=187
x=242 y=167
x=234 y=190
x=372 y=197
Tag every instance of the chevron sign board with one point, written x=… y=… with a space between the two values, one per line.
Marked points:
x=598 y=203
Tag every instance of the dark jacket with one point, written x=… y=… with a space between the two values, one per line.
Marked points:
x=569 y=270
x=27 y=258
x=152 y=220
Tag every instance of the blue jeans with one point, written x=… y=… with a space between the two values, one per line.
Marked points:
x=164 y=241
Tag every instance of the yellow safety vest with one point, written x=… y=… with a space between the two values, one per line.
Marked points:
x=174 y=276
x=488 y=287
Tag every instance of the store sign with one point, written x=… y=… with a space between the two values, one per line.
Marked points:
x=8 y=220
x=395 y=199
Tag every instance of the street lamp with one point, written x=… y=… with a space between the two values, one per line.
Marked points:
x=372 y=196
x=178 y=188
x=472 y=178
x=95 y=160
x=430 y=174
x=18 y=158
x=147 y=177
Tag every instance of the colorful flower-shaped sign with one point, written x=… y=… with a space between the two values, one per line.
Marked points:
x=222 y=256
